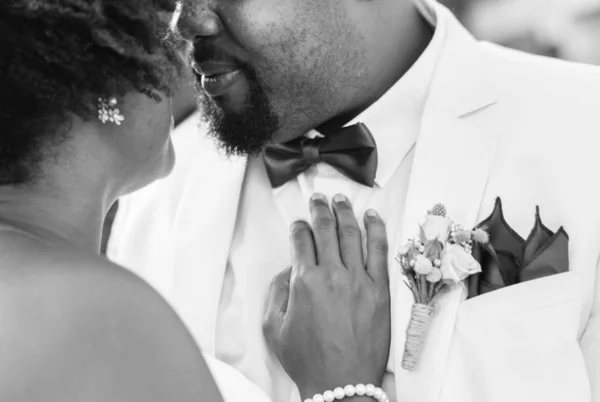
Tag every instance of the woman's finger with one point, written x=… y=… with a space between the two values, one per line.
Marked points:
x=348 y=234
x=324 y=231
x=377 y=248
x=302 y=245
x=279 y=295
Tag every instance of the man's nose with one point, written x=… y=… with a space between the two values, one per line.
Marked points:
x=194 y=23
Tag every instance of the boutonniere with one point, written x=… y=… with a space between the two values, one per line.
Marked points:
x=438 y=259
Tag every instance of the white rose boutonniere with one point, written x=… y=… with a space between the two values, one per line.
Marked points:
x=457 y=264
x=439 y=258
x=437 y=227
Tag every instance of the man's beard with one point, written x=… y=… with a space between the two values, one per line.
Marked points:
x=244 y=133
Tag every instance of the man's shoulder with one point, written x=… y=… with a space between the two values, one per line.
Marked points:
x=517 y=72
x=540 y=97
x=545 y=115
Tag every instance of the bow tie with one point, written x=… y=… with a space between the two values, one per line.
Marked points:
x=350 y=150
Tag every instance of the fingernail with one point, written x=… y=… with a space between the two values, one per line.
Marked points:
x=371 y=213
x=340 y=198
x=297 y=225
x=318 y=197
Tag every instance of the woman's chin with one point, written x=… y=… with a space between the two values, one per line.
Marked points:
x=169 y=160
x=165 y=164
x=159 y=169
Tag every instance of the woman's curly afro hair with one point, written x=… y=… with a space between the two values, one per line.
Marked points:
x=58 y=56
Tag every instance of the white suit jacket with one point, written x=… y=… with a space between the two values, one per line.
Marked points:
x=497 y=123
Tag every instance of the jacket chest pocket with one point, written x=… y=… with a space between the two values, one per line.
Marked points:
x=520 y=343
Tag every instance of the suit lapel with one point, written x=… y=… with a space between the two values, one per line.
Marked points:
x=453 y=156
x=204 y=226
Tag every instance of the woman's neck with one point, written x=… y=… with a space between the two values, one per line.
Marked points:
x=72 y=216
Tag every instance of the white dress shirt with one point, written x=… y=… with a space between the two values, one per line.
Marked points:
x=265 y=214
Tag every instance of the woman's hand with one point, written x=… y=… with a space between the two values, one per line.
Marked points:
x=328 y=317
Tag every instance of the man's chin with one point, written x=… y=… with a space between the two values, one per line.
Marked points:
x=235 y=134
x=238 y=151
x=241 y=120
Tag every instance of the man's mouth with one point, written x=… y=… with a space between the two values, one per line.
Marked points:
x=217 y=77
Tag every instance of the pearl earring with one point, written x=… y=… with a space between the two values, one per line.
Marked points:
x=107 y=112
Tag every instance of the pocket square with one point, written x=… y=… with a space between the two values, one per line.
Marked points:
x=508 y=259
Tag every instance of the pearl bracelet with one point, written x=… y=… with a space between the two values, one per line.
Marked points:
x=349 y=391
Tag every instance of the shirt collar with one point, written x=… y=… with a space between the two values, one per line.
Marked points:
x=395 y=118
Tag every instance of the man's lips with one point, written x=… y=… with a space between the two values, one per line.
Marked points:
x=209 y=69
x=217 y=85
x=217 y=77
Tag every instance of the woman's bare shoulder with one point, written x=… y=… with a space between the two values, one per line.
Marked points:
x=78 y=327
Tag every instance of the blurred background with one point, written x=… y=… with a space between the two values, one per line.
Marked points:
x=567 y=29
